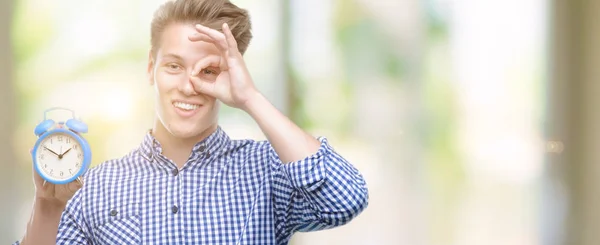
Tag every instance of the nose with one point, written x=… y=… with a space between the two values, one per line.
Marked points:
x=187 y=88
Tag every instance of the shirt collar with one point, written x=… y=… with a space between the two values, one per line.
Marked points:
x=211 y=146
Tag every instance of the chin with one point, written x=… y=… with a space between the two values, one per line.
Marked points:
x=182 y=133
x=186 y=130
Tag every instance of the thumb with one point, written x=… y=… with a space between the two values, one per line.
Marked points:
x=203 y=87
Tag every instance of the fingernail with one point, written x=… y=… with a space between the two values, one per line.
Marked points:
x=198 y=26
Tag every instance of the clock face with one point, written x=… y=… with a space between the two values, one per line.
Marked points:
x=59 y=156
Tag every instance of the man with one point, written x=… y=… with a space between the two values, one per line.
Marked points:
x=188 y=182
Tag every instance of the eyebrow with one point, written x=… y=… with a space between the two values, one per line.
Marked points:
x=174 y=56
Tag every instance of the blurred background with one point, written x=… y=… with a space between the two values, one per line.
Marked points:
x=474 y=122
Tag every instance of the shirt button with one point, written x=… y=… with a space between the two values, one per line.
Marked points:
x=175 y=209
x=202 y=148
x=175 y=171
x=113 y=212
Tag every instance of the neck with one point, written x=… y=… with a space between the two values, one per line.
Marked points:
x=176 y=148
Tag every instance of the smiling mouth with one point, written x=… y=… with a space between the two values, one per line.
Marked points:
x=185 y=106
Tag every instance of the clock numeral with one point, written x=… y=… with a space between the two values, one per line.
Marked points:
x=79 y=155
x=59 y=138
x=68 y=140
x=51 y=170
x=75 y=147
x=71 y=171
x=50 y=140
x=45 y=165
x=41 y=156
x=61 y=173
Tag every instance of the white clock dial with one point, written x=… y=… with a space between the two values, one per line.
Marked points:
x=59 y=156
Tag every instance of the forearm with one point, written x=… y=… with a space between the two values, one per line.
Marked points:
x=43 y=224
x=289 y=141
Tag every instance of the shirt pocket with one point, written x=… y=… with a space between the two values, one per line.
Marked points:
x=120 y=224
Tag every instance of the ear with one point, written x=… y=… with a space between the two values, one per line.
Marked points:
x=150 y=71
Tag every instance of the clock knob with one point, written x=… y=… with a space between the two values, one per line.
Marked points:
x=77 y=126
x=43 y=127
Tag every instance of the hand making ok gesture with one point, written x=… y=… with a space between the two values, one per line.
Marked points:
x=233 y=85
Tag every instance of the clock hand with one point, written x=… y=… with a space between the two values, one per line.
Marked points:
x=58 y=155
x=61 y=155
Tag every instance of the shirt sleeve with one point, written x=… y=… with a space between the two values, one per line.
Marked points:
x=318 y=192
x=71 y=229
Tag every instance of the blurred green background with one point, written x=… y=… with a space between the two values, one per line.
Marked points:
x=472 y=121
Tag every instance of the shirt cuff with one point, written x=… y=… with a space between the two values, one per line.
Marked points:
x=309 y=173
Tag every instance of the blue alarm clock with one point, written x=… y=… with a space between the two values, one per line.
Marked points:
x=61 y=154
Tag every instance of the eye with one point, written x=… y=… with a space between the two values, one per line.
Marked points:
x=173 y=67
x=208 y=71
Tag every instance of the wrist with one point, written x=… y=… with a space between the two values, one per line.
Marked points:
x=254 y=103
x=44 y=221
x=49 y=207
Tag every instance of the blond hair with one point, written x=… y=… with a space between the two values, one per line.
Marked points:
x=210 y=13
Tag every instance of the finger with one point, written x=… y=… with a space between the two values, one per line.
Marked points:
x=212 y=60
x=231 y=42
x=200 y=37
x=221 y=63
x=204 y=38
x=216 y=36
x=79 y=180
x=49 y=189
x=203 y=87
x=75 y=185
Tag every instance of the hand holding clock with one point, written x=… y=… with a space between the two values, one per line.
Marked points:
x=56 y=180
x=52 y=194
x=49 y=202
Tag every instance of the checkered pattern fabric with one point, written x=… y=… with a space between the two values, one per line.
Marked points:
x=228 y=192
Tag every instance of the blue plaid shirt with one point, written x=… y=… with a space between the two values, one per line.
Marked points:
x=228 y=192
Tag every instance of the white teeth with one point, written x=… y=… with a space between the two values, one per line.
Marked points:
x=185 y=106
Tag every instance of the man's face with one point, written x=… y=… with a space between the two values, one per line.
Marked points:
x=182 y=111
